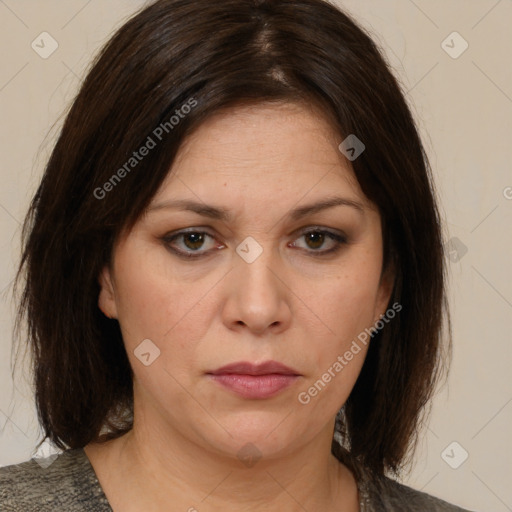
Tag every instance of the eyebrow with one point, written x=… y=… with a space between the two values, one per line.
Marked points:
x=219 y=213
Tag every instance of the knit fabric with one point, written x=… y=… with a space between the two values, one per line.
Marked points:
x=67 y=482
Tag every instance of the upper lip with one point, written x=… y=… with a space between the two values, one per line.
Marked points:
x=247 y=368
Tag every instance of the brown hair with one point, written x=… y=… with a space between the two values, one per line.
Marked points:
x=219 y=54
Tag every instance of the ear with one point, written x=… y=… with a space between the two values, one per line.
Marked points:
x=107 y=296
x=387 y=282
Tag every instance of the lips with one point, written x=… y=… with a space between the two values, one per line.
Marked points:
x=255 y=381
x=246 y=368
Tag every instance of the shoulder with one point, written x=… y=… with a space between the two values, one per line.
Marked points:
x=389 y=495
x=380 y=493
x=63 y=482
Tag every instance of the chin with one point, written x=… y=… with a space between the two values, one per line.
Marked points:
x=256 y=435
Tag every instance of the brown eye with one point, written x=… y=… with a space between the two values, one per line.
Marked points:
x=316 y=239
x=193 y=240
x=190 y=244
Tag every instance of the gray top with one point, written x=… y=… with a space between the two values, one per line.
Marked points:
x=67 y=482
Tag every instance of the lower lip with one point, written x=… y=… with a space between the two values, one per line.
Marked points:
x=255 y=386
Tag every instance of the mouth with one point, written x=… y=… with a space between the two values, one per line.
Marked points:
x=255 y=381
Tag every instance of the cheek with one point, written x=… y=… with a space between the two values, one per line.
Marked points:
x=160 y=305
x=343 y=303
x=337 y=356
x=358 y=286
x=150 y=303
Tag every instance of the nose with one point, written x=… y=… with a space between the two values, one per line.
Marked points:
x=258 y=295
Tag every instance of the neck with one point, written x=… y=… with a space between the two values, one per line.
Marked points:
x=307 y=478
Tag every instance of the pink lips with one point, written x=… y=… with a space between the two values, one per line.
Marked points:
x=255 y=381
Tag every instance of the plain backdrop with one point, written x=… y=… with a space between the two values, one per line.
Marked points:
x=462 y=100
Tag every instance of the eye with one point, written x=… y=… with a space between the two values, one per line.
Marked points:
x=191 y=243
x=194 y=243
x=316 y=238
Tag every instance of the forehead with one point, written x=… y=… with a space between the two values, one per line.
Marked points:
x=286 y=148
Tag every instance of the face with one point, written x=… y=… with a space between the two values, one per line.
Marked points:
x=250 y=274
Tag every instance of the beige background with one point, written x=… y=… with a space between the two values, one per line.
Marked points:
x=464 y=109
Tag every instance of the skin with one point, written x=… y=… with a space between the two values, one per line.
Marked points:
x=289 y=305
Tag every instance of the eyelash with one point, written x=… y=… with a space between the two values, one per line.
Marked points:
x=339 y=240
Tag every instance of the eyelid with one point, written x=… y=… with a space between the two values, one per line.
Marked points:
x=312 y=228
x=170 y=237
x=337 y=236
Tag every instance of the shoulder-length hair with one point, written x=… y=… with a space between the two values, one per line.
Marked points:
x=166 y=70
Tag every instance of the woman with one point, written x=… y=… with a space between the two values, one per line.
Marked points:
x=234 y=272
